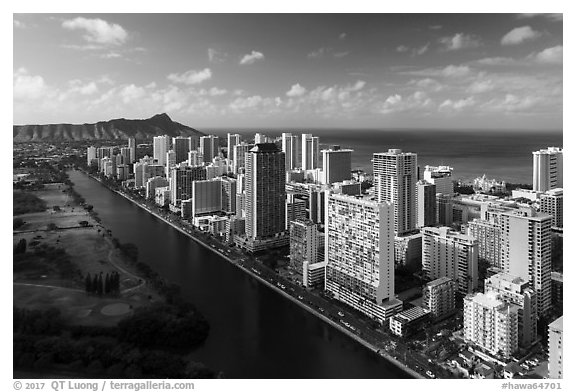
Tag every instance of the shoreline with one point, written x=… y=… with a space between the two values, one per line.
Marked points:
x=319 y=315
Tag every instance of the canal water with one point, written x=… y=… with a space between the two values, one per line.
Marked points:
x=255 y=332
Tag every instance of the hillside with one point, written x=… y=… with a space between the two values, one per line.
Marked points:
x=160 y=124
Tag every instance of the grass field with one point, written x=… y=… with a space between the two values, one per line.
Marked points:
x=89 y=250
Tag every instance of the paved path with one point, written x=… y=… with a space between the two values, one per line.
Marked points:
x=47 y=286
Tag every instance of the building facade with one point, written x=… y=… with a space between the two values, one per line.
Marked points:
x=395 y=176
x=555 y=352
x=360 y=255
x=547 y=169
x=447 y=253
x=426 y=204
x=491 y=324
x=336 y=165
x=440 y=297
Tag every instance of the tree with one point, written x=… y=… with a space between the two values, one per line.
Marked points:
x=18 y=222
x=88 y=283
x=20 y=247
x=51 y=226
x=56 y=208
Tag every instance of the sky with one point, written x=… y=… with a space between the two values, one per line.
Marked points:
x=441 y=71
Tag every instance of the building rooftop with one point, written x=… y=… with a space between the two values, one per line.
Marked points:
x=411 y=314
x=557 y=276
x=557 y=324
x=438 y=281
x=265 y=148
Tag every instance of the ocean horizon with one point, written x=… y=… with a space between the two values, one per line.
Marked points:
x=503 y=155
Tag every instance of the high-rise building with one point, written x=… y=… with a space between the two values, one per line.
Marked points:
x=555 y=352
x=206 y=197
x=526 y=250
x=440 y=297
x=181 y=146
x=292 y=149
x=441 y=176
x=514 y=290
x=451 y=254
x=336 y=164
x=491 y=323
x=487 y=233
x=181 y=182
x=426 y=204
x=240 y=151
x=209 y=147
x=170 y=162
x=232 y=139
x=551 y=203
x=161 y=145
x=260 y=138
x=124 y=156
x=359 y=258
x=304 y=243
x=395 y=177
x=195 y=158
x=547 y=169
x=132 y=147
x=310 y=151
x=229 y=195
x=92 y=158
x=153 y=183
x=265 y=199
x=295 y=209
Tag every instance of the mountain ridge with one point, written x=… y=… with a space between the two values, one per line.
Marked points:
x=115 y=129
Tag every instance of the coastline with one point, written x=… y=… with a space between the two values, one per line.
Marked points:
x=314 y=312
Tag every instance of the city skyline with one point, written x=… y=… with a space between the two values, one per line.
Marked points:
x=222 y=70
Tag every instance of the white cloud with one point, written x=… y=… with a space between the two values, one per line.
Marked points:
x=98 y=30
x=427 y=83
x=318 y=53
x=414 y=51
x=496 y=61
x=480 y=86
x=215 y=91
x=456 y=71
x=456 y=105
x=519 y=35
x=243 y=103
x=552 y=55
x=131 y=93
x=216 y=56
x=28 y=86
x=84 y=89
x=339 y=55
x=342 y=35
x=111 y=55
x=251 y=58
x=296 y=91
x=460 y=41
x=191 y=77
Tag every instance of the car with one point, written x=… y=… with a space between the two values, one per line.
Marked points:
x=430 y=374
x=300 y=297
x=340 y=314
x=321 y=310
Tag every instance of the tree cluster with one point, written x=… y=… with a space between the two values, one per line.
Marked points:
x=101 y=284
x=25 y=202
x=20 y=247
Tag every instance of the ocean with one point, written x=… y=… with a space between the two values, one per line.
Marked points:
x=502 y=155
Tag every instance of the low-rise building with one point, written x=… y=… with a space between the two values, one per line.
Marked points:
x=408 y=321
x=439 y=297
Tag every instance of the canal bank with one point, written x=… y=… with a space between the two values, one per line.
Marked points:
x=278 y=290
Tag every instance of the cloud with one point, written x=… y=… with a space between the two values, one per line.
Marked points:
x=418 y=101
x=459 y=41
x=98 y=31
x=296 y=91
x=480 y=86
x=216 y=56
x=111 y=55
x=84 y=89
x=435 y=27
x=413 y=51
x=450 y=105
x=191 y=77
x=552 y=55
x=456 y=71
x=28 y=86
x=251 y=58
x=551 y=17
x=339 y=55
x=496 y=61
x=131 y=93
x=342 y=36
x=427 y=83
x=519 y=35
x=318 y=53
x=215 y=91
